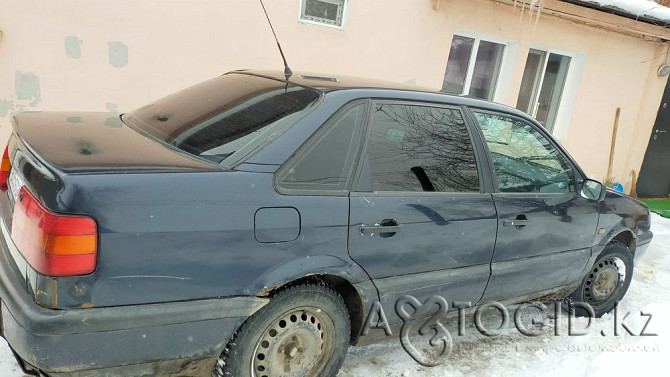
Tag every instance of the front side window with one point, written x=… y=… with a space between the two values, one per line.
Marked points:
x=523 y=159
x=420 y=148
x=325 y=12
x=473 y=67
x=544 y=78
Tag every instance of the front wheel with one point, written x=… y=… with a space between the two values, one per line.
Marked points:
x=607 y=282
x=302 y=332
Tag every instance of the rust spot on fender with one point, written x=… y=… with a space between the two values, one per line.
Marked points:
x=265 y=292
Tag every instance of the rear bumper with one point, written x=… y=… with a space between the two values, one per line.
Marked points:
x=183 y=338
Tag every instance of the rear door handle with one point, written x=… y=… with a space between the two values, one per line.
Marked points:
x=385 y=228
x=518 y=222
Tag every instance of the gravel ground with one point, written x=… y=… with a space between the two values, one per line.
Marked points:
x=598 y=353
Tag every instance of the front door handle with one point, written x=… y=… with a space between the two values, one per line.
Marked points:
x=519 y=222
x=385 y=228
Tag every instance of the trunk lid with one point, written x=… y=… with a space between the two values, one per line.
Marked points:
x=79 y=142
x=47 y=152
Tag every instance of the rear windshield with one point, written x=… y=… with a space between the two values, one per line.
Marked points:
x=224 y=119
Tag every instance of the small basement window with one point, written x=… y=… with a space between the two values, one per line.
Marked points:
x=323 y=12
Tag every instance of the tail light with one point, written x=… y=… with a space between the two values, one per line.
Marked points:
x=54 y=245
x=5 y=167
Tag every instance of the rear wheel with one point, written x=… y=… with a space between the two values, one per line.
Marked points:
x=607 y=282
x=302 y=332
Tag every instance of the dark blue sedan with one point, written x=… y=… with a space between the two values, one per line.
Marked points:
x=246 y=226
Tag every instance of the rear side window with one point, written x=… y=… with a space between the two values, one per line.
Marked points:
x=224 y=119
x=421 y=148
x=325 y=164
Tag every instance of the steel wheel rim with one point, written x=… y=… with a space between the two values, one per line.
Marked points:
x=604 y=281
x=299 y=342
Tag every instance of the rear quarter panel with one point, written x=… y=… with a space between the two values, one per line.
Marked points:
x=184 y=236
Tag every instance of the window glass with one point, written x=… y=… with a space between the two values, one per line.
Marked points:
x=523 y=159
x=530 y=83
x=552 y=89
x=487 y=68
x=542 y=86
x=473 y=67
x=226 y=118
x=327 y=12
x=327 y=162
x=420 y=148
x=457 y=65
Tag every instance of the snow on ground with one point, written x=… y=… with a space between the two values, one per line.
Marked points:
x=514 y=354
x=8 y=365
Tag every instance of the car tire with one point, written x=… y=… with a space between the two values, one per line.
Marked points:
x=605 y=284
x=302 y=332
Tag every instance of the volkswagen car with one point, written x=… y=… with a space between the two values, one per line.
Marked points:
x=247 y=225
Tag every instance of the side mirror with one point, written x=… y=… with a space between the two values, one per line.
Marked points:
x=593 y=190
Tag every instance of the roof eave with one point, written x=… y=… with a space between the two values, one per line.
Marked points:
x=579 y=13
x=620 y=12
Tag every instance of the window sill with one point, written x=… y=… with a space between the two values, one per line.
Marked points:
x=308 y=22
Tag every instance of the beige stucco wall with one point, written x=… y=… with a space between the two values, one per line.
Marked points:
x=172 y=44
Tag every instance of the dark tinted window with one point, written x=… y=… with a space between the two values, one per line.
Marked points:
x=225 y=118
x=327 y=160
x=421 y=148
x=523 y=159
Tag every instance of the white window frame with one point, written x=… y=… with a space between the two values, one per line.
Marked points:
x=573 y=78
x=345 y=8
x=510 y=52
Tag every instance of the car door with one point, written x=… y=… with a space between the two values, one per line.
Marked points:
x=420 y=222
x=545 y=228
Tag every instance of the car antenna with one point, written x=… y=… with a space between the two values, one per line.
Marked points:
x=287 y=71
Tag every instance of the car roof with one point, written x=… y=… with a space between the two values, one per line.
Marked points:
x=330 y=83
